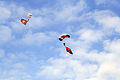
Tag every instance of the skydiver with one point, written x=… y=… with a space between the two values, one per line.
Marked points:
x=68 y=49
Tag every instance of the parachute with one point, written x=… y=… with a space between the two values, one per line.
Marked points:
x=61 y=37
x=68 y=49
x=29 y=15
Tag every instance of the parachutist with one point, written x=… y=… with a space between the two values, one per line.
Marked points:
x=64 y=44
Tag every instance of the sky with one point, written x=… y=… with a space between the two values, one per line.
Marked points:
x=33 y=52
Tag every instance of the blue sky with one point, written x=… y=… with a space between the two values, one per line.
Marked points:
x=33 y=52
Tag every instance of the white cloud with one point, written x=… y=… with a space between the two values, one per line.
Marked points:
x=67 y=69
x=46 y=17
x=112 y=22
x=90 y=35
x=5 y=14
x=10 y=78
x=2 y=53
x=38 y=38
x=112 y=46
x=71 y=12
x=107 y=2
x=109 y=63
x=15 y=66
x=39 y=22
x=15 y=75
x=5 y=34
x=18 y=27
x=98 y=2
x=104 y=20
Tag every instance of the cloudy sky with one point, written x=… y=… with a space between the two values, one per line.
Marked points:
x=33 y=52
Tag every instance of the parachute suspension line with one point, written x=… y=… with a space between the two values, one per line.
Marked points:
x=28 y=19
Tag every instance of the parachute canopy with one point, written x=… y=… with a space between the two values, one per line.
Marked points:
x=61 y=37
x=24 y=21
x=68 y=49
x=29 y=15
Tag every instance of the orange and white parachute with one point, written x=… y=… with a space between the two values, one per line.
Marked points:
x=29 y=15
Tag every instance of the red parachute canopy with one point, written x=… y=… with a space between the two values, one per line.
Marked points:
x=24 y=21
x=61 y=37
